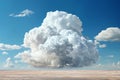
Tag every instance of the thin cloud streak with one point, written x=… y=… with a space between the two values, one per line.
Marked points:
x=9 y=47
x=24 y=13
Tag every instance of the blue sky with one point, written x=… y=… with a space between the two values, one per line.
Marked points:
x=96 y=15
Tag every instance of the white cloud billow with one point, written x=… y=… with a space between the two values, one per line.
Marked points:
x=110 y=34
x=24 y=13
x=9 y=47
x=58 y=42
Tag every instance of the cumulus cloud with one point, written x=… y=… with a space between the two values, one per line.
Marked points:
x=110 y=34
x=4 y=53
x=24 y=13
x=58 y=42
x=8 y=63
x=102 y=45
x=8 y=47
x=97 y=43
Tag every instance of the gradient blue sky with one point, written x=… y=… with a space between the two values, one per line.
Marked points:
x=96 y=15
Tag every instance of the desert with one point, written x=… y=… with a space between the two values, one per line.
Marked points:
x=60 y=75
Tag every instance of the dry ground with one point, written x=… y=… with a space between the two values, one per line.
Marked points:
x=60 y=75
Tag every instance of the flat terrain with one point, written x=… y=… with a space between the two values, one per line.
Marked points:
x=60 y=75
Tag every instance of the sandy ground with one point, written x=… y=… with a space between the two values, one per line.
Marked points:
x=60 y=75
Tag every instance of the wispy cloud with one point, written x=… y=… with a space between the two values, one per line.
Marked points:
x=110 y=66
x=4 y=53
x=24 y=13
x=9 y=47
x=9 y=63
x=110 y=56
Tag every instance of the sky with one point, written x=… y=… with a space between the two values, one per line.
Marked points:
x=100 y=23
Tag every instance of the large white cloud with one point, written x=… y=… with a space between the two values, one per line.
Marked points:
x=110 y=34
x=58 y=42
x=24 y=13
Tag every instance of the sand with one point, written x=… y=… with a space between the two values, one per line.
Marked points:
x=60 y=75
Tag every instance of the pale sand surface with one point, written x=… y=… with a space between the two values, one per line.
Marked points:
x=60 y=75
